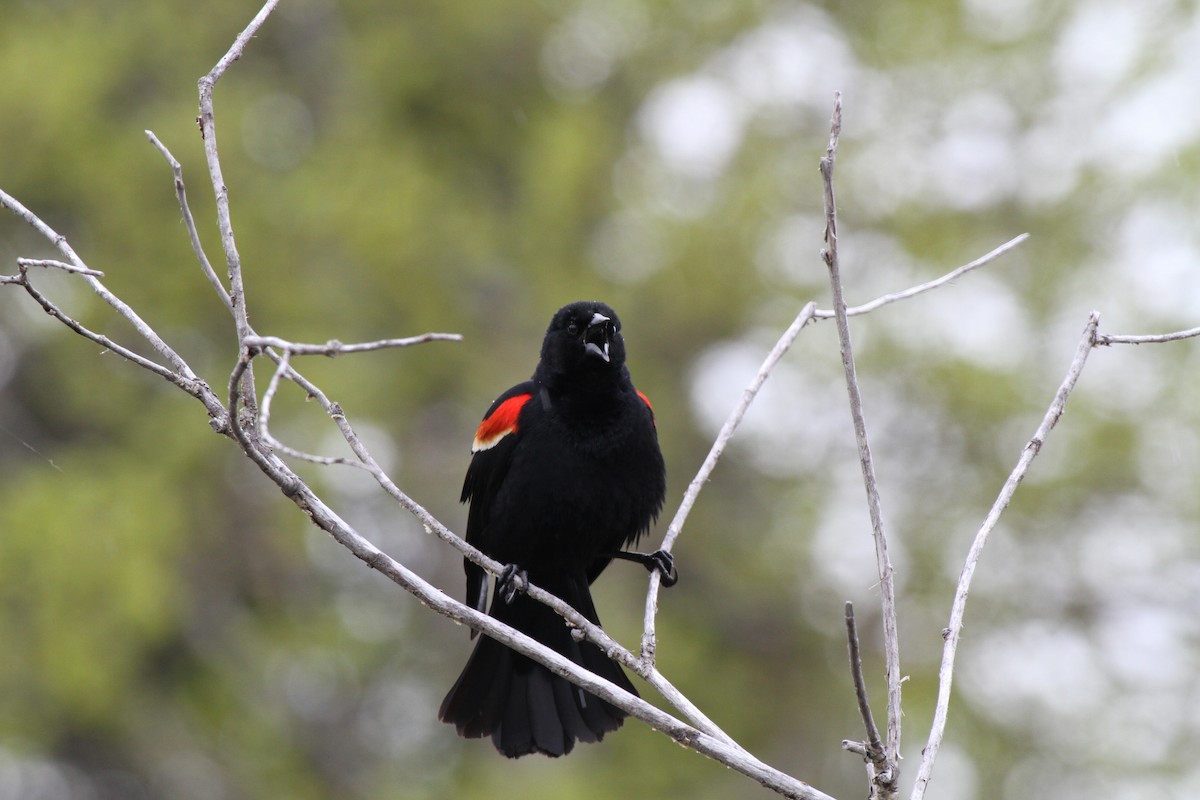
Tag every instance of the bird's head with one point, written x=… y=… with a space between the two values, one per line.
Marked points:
x=584 y=336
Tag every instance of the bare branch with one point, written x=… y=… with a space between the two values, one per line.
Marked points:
x=710 y=462
x=873 y=750
x=190 y=222
x=178 y=373
x=857 y=748
x=954 y=629
x=208 y=131
x=884 y=300
x=89 y=275
x=99 y=338
x=334 y=348
x=264 y=421
x=52 y=263
x=885 y=779
x=1106 y=339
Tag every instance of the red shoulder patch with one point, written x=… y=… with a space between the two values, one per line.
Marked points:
x=499 y=423
x=646 y=400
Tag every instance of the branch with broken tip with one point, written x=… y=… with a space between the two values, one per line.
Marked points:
x=715 y=745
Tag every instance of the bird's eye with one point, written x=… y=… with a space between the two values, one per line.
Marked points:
x=573 y=328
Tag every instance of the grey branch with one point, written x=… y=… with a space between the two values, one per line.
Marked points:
x=178 y=371
x=805 y=316
x=884 y=300
x=208 y=131
x=872 y=750
x=52 y=263
x=264 y=423
x=190 y=222
x=884 y=781
x=334 y=348
x=958 y=609
x=1159 y=338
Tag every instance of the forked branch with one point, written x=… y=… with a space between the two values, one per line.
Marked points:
x=884 y=779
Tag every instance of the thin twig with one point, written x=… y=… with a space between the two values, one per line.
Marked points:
x=50 y=308
x=334 y=348
x=805 y=316
x=1106 y=339
x=873 y=750
x=54 y=264
x=88 y=275
x=208 y=131
x=884 y=300
x=178 y=372
x=264 y=423
x=190 y=222
x=885 y=779
x=957 y=610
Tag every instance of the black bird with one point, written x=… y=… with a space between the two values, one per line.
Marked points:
x=566 y=472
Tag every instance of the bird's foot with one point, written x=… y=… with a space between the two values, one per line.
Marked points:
x=512 y=581
x=664 y=562
x=659 y=561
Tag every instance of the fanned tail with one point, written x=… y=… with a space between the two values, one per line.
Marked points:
x=523 y=706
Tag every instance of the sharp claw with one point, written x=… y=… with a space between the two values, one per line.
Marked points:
x=512 y=582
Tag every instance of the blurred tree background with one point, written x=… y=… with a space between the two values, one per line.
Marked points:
x=170 y=627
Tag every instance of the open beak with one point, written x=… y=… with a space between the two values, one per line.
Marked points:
x=597 y=336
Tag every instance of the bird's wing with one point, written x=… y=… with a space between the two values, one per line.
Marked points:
x=495 y=440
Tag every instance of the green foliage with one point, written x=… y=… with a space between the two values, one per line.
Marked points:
x=89 y=555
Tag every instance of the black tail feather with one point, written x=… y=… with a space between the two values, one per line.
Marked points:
x=523 y=706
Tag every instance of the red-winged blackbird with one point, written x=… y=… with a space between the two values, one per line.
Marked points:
x=566 y=471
